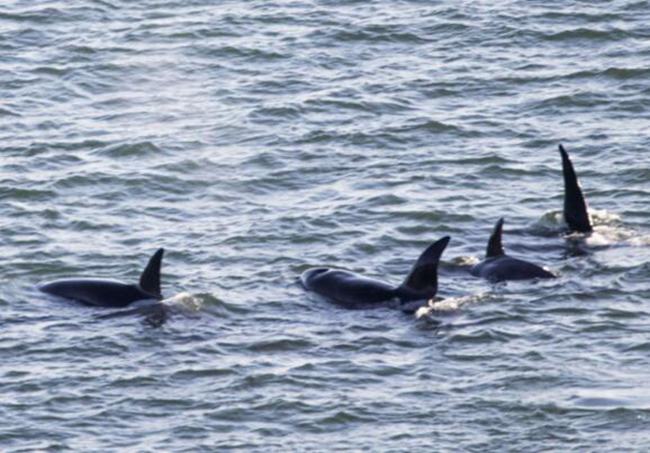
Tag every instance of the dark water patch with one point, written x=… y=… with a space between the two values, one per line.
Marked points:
x=85 y=180
x=589 y=35
x=291 y=84
x=215 y=31
x=280 y=345
x=577 y=100
x=5 y=111
x=385 y=200
x=483 y=337
x=344 y=100
x=131 y=150
x=363 y=139
x=429 y=126
x=639 y=347
x=51 y=71
x=39 y=16
x=273 y=115
x=373 y=34
x=14 y=193
x=490 y=159
x=23 y=82
x=615 y=73
x=249 y=54
x=188 y=375
x=342 y=419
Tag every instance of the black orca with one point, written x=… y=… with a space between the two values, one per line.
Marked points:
x=356 y=291
x=497 y=266
x=110 y=293
x=575 y=206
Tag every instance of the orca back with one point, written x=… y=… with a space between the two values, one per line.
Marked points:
x=110 y=293
x=497 y=266
x=347 y=288
x=95 y=292
x=503 y=268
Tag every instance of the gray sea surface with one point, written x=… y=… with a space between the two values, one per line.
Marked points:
x=255 y=139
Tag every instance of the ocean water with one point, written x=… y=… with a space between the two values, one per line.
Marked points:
x=255 y=139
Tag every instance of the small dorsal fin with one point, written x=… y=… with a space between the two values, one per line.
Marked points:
x=150 y=278
x=423 y=278
x=575 y=206
x=495 y=247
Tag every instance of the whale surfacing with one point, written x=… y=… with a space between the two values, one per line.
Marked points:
x=356 y=291
x=497 y=266
x=110 y=293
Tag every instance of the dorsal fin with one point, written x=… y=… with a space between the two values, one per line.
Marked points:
x=423 y=278
x=575 y=206
x=150 y=278
x=494 y=247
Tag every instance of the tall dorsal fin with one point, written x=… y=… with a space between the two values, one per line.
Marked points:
x=150 y=278
x=423 y=278
x=494 y=247
x=575 y=206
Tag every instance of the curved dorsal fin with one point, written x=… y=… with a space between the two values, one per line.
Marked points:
x=423 y=277
x=150 y=278
x=494 y=247
x=575 y=206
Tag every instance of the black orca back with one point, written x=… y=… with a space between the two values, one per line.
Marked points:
x=497 y=266
x=102 y=293
x=347 y=288
x=503 y=268
x=356 y=291
x=110 y=293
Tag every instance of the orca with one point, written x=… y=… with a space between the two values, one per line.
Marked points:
x=497 y=266
x=575 y=206
x=110 y=293
x=352 y=290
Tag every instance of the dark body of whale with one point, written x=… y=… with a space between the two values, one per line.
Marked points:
x=356 y=291
x=110 y=293
x=575 y=206
x=497 y=266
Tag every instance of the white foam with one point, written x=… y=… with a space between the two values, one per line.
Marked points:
x=185 y=302
x=446 y=306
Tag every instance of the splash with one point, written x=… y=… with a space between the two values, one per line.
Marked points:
x=465 y=261
x=550 y=223
x=184 y=302
x=446 y=307
x=608 y=229
x=603 y=217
